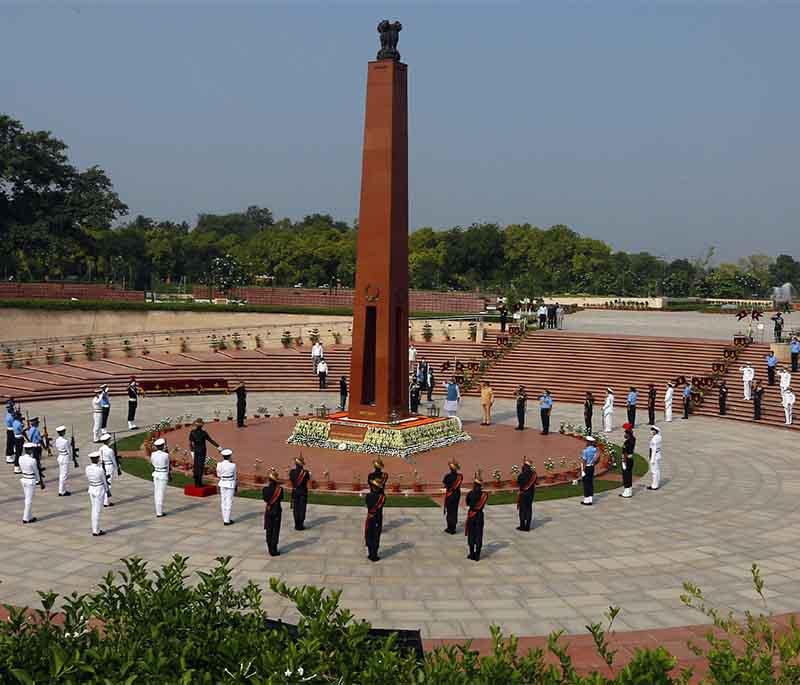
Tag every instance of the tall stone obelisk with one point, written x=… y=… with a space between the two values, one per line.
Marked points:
x=379 y=364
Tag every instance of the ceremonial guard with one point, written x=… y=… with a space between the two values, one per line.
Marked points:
x=64 y=457
x=794 y=351
x=687 y=399
x=105 y=406
x=772 y=362
x=31 y=477
x=588 y=411
x=630 y=404
x=628 y=449
x=655 y=457
x=758 y=397
x=473 y=528
x=608 y=411
x=343 y=391
x=723 y=398
x=299 y=478
x=226 y=473
x=526 y=481
x=452 y=496
x=373 y=525
x=777 y=327
x=272 y=494
x=785 y=379
x=97 y=416
x=19 y=439
x=522 y=403
x=110 y=463
x=378 y=474
x=9 y=432
x=98 y=490
x=35 y=438
x=787 y=400
x=133 y=402
x=241 y=403
x=748 y=376
x=545 y=409
x=198 y=437
x=161 y=474
x=651 y=404
x=589 y=458
x=487 y=400
x=668 y=395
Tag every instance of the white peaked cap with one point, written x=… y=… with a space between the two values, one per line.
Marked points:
x=160 y=442
x=94 y=455
x=226 y=452
x=29 y=445
x=609 y=390
x=61 y=429
x=104 y=437
x=589 y=438
x=655 y=428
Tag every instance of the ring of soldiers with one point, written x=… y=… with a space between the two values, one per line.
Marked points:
x=727 y=498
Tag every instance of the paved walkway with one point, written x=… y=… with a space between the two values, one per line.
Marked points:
x=730 y=498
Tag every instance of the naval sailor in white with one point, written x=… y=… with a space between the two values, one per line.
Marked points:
x=64 y=459
x=31 y=477
x=226 y=473
x=98 y=490
x=161 y=474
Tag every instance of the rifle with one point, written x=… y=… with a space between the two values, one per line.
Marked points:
x=47 y=438
x=75 y=452
x=116 y=454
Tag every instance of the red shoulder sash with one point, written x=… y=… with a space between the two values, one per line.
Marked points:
x=371 y=513
x=301 y=478
x=473 y=512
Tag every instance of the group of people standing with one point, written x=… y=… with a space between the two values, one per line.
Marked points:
x=753 y=389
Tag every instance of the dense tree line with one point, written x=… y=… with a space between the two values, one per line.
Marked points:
x=57 y=222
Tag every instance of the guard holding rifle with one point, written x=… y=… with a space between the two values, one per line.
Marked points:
x=133 y=402
x=9 y=431
x=36 y=439
x=31 y=477
x=19 y=438
x=64 y=455
x=299 y=477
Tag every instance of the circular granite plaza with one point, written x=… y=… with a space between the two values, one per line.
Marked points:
x=729 y=499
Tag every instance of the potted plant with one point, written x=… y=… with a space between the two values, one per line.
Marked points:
x=89 y=349
x=286 y=339
x=395 y=485
x=498 y=478
x=337 y=337
x=216 y=414
x=329 y=484
x=184 y=345
x=259 y=343
x=427 y=332
x=50 y=356
x=473 y=330
x=313 y=335
x=230 y=415
x=126 y=347
x=417 y=485
x=221 y=345
x=106 y=350
x=238 y=343
x=356 y=483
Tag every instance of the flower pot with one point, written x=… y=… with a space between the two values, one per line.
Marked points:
x=331 y=485
x=356 y=486
x=314 y=485
x=417 y=487
x=395 y=487
x=261 y=480
x=216 y=420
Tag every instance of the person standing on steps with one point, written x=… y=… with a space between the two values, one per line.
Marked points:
x=589 y=458
x=633 y=398
x=241 y=404
x=452 y=496
x=473 y=527
x=526 y=482
x=299 y=477
x=787 y=401
x=322 y=374
x=412 y=355
x=98 y=490
x=777 y=327
x=687 y=399
x=794 y=351
x=748 y=376
x=503 y=319
x=373 y=525
x=317 y=353
x=628 y=450
x=723 y=398
x=668 y=397
x=487 y=400
x=198 y=437
x=784 y=378
x=542 y=314
x=228 y=484
x=655 y=458
x=758 y=397
x=453 y=398
x=772 y=362
x=430 y=381
x=588 y=411
x=545 y=408
x=608 y=411
x=272 y=494
x=651 y=404
x=161 y=474
x=522 y=403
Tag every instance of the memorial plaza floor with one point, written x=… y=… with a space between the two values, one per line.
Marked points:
x=730 y=497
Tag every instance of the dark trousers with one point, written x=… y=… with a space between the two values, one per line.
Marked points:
x=795 y=356
x=105 y=412
x=525 y=510
x=36 y=453
x=627 y=472
x=132 y=411
x=588 y=481
x=542 y=320
x=430 y=393
x=771 y=375
x=323 y=380
x=273 y=532
x=757 y=410
x=587 y=420
x=414 y=403
x=9 y=443
x=373 y=538
x=451 y=512
x=343 y=401
x=632 y=414
x=722 y=407
x=18 y=443
x=198 y=465
x=240 y=411
x=687 y=405
x=475 y=536
x=545 y=414
x=520 y=418
x=651 y=414
x=299 y=502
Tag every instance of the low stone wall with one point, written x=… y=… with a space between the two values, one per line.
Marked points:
x=66 y=291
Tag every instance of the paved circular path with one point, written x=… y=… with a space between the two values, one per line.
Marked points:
x=730 y=498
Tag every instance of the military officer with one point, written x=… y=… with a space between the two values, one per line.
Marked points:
x=226 y=473
x=198 y=437
x=633 y=397
x=373 y=525
x=723 y=398
x=452 y=496
x=545 y=409
x=748 y=376
x=133 y=402
x=651 y=404
x=687 y=399
x=758 y=397
x=526 y=481
x=378 y=473
x=31 y=477
x=668 y=395
x=794 y=351
x=35 y=437
x=588 y=410
x=655 y=457
x=105 y=406
x=9 y=432
x=628 y=449
x=19 y=439
x=162 y=473
x=241 y=404
x=785 y=379
x=522 y=403
x=299 y=478
x=608 y=411
x=589 y=458
x=109 y=462
x=272 y=494
x=97 y=416
x=788 y=400
x=772 y=362
x=473 y=528
x=64 y=459
x=98 y=490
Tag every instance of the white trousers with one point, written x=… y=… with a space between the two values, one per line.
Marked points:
x=668 y=411
x=159 y=489
x=748 y=385
x=27 y=489
x=97 y=418
x=226 y=502
x=787 y=412
x=607 y=421
x=655 y=472
x=96 y=500
x=110 y=475
x=63 y=474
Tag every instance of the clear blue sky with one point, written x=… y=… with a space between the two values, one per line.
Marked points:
x=664 y=126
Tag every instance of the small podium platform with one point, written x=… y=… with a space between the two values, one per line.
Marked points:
x=202 y=491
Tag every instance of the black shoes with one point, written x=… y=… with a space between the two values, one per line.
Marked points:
x=102 y=532
x=64 y=494
x=30 y=520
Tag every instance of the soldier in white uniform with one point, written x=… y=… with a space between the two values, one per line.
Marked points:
x=31 y=477
x=97 y=416
x=226 y=472
x=668 y=395
x=98 y=490
x=161 y=474
x=787 y=400
x=108 y=460
x=64 y=458
x=786 y=379
x=748 y=375
x=608 y=411
x=655 y=457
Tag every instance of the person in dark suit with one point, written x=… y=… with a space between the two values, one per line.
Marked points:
x=758 y=397
x=473 y=528
x=431 y=382
x=503 y=319
x=628 y=449
x=522 y=403
x=241 y=403
x=272 y=494
x=651 y=404
x=413 y=396
x=588 y=411
x=299 y=478
x=198 y=437
x=723 y=398
x=452 y=497
x=373 y=526
x=526 y=481
x=343 y=393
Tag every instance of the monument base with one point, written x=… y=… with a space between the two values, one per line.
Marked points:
x=400 y=439
x=202 y=491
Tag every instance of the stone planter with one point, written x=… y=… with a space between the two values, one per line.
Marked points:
x=356 y=486
x=395 y=487
x=417 y=487
x=330 y=485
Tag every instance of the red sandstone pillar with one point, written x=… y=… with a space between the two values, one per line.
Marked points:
x=379 y=364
